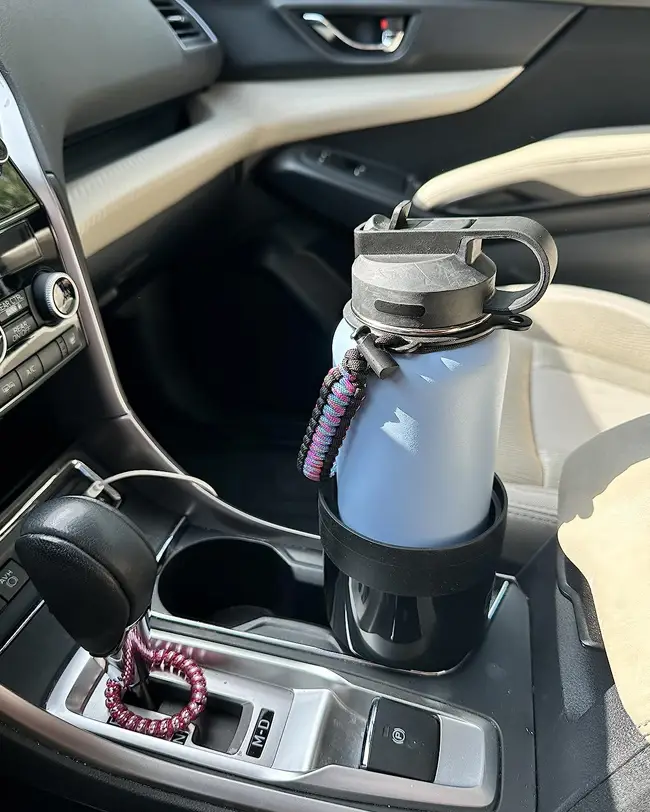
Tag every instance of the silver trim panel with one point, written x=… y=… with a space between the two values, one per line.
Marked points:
x=25 y=622
x=170 y=538
x=372 y=719
x=317 y=735
x=50 y=303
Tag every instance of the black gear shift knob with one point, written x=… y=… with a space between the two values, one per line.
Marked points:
x=92 y=566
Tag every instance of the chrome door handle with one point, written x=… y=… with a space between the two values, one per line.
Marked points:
x=389 y=43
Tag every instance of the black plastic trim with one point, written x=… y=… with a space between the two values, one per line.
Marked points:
x=91 y=149
x=31 y=663
x=574 y=586
x=345 y=188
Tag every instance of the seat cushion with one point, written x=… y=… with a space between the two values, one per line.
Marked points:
x=582 y=368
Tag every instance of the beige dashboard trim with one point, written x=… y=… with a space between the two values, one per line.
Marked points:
x=585 y=163
x=233 y=121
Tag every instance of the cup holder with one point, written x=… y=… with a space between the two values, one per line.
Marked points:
x=230 y=582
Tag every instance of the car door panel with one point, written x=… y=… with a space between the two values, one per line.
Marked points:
x=268 y=39
x=589 y=76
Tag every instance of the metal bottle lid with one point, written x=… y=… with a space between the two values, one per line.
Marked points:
x=430 y=277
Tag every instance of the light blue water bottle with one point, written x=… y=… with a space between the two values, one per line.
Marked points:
x=408 y=421
x=422 y=449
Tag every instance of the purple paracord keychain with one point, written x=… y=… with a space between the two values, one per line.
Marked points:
x=155 y=660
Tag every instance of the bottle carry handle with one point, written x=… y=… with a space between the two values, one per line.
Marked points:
x=519 y=229
x=536 y=238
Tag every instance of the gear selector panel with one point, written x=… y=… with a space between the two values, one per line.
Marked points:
x=308 y=728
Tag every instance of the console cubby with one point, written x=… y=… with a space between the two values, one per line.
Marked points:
x=230 y=582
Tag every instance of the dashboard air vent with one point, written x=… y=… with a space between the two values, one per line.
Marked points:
x=183 y=22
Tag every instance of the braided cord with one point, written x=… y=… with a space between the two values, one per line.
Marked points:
x=156 y=660
x=340 y=397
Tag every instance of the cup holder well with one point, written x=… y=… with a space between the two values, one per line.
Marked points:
x=231 y=581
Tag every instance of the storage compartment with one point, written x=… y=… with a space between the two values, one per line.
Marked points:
x=231 y=582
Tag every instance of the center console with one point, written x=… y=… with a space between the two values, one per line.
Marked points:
x=40 y=329
x=292 y=721
x=287 y=709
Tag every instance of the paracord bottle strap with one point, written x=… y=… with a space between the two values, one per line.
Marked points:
x=340 y=398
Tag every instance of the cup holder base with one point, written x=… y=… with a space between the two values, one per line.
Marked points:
x=232 y=582
x=248 y=586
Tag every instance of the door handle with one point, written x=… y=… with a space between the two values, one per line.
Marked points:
x=390 y=40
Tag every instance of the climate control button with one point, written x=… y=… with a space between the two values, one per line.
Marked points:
x=17 y=331
x=12 y=306
x=10 y=386
x=30 y=371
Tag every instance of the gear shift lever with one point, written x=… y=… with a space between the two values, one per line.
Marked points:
x=96 y=572
x=92 y=567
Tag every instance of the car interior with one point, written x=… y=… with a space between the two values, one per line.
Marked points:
x=183 y=188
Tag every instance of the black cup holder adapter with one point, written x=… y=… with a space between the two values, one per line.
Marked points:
x=229 y=581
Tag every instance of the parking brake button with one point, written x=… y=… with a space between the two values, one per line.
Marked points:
x=401 y=740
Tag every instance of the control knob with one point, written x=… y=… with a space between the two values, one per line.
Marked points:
x=56 y=296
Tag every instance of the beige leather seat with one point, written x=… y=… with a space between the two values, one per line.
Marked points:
x=584 y=367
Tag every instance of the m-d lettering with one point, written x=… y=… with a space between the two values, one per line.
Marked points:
x=260 y=733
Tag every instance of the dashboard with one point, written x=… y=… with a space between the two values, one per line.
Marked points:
x=142 y=118
x=40 y=329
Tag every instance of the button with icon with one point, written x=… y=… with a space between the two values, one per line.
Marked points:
x=401 y=740
x=12 y=579
x=30 y=371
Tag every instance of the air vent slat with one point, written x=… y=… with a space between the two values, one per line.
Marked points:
x=181 y=21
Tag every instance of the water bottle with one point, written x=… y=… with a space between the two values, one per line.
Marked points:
x=404 y=435
x=422 y=449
